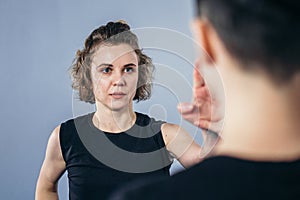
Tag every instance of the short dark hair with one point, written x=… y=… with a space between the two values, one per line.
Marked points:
x=113 y=33
x=260 y=34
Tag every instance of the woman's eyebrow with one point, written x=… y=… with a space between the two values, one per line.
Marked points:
x=105 y=65
x=110 y=65
x=130 y=65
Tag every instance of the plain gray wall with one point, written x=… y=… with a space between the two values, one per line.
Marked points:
x=38 y=41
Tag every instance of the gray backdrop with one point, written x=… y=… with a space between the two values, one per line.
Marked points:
x=38 y=41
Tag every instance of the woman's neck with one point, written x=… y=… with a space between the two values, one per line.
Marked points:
x=114 y=121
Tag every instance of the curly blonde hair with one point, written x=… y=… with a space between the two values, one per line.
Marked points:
x=113 y=33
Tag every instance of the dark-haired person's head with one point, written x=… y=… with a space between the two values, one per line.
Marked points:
x=262 y=35
x=249 y=67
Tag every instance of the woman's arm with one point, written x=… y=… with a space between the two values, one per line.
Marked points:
x=181 y=145
x=52 y=169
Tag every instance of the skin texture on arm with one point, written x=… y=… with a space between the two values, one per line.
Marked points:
x=181 y=145
x=52 y=169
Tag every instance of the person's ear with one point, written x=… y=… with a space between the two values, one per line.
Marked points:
x=203 y=33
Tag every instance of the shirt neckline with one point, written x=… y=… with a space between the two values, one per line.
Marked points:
x=94 y=128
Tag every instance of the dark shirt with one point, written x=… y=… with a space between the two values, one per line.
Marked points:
x=222 y=178
x=98 y=162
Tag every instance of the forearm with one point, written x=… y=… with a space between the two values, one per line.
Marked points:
x=43 y=193
x=46 y=191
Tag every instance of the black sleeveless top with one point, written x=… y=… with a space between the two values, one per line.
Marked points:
x=98 y=162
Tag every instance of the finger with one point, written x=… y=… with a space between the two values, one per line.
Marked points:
x=204 y=124
x=201 y=93
x=198 y=80
x=184 y=108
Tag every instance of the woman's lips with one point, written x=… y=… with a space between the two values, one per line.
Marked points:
x=117 y=95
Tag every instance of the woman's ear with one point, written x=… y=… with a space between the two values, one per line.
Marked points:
x=204 y=34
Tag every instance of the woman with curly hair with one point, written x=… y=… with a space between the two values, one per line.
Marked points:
x=113 y=145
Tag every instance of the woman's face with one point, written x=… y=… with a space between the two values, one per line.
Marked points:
x=114 y=75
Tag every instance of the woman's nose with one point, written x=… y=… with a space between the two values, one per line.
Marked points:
x=118 y=79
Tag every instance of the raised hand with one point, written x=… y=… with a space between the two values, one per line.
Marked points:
x=203 y=111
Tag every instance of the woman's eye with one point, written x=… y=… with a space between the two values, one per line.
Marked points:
x=106 y=70
x=128 y=69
